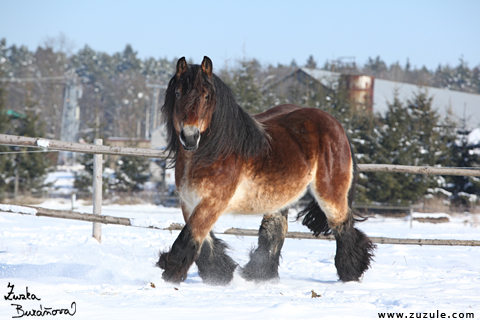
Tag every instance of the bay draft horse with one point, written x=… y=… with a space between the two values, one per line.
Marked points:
x=229 y=161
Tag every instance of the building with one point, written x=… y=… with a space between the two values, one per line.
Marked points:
x=375 y=94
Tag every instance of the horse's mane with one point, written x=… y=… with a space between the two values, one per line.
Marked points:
x=232 y=130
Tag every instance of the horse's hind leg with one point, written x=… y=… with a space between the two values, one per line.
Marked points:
x=215 y=267
x=354 y=249
x=265 y=259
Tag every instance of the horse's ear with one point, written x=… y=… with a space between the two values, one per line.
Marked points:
x=207 y=66
x=181 y=66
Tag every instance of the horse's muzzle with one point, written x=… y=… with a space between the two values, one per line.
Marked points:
x=190 y=138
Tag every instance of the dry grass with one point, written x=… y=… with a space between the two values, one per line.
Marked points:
x=23 y=200
x=126 y=200
x=439 y=204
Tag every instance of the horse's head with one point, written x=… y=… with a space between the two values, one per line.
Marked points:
x=200 y=113
x=193 y=93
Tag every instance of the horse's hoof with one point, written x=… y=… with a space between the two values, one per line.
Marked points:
x=171 y=274
x=174 y=277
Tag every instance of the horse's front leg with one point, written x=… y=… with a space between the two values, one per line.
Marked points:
x=187 y=246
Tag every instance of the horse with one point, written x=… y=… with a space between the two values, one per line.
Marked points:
x=228 y=161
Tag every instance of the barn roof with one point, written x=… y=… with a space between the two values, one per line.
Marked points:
x=462 y=104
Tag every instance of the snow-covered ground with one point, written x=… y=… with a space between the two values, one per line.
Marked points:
x=62 y=265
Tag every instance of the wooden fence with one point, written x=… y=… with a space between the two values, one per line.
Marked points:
x=151 y=153
x=132 y=222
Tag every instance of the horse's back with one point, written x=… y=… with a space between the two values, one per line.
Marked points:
x=276 y=111
x=311 y=128
x=302 y=124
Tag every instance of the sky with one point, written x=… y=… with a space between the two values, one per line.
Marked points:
x=426 y=32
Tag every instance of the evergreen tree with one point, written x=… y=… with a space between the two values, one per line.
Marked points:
x=424 y=128
x=4 y=157
x=376 y=67
x=246 y=86
x=311 y=63
x=84 y=179
x=395 y=148
x=131 y=174
x=464 y=155
x=365 y=139
x=31 y=166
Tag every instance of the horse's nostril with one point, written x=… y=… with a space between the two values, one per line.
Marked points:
x=182 y=136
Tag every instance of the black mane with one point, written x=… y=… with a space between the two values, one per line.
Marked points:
x=232 y=130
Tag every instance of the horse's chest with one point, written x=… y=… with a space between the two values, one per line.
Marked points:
x=190 y=199
x=189 y=195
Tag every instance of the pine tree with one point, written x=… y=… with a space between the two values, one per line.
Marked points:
x=84 y=179
x=425 y=130
x=395 y=147
x=4 y=127
x=376 y=67
x=246 y=86
x=365 y=139
x=31 y=166
x=446 y=141
x=311 y=63
x=464 y=155
x=131 y=174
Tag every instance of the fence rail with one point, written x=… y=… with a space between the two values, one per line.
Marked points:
x=78 y=147
x=420 y=170
x=66 y=214
x=152 y=153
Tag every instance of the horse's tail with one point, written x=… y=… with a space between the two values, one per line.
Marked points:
x=314 y=219
x=354 y=215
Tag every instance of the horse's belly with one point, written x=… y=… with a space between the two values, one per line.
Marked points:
x=259 y=198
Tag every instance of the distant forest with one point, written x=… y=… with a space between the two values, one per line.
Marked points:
x=116 y=96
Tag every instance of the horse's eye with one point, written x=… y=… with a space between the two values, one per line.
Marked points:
x=177 y=93
x=207 y=96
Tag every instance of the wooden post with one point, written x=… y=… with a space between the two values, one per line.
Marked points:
x=97 y=191
x=15 y=185
x=411 y=217
x=74 y=200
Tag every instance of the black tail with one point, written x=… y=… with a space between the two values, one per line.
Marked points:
x=315 y=219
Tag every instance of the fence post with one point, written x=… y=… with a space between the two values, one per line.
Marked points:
x=74 y=200
x=97 y=191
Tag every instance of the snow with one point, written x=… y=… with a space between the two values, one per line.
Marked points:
x=43 y=143
x=61 y=263
x=62 y=180
x=474 y=137
x=17 y=209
